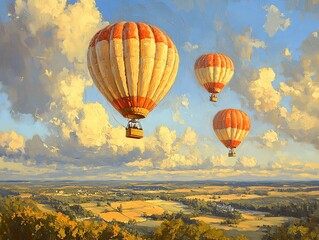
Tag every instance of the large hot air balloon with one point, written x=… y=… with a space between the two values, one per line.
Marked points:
x=133 y=65
x=213 y=71
x=231 y=127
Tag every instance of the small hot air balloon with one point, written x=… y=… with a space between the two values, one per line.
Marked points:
x=231 y=127
x=213 y=71
x=133 y=65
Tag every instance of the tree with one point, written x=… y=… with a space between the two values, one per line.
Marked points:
x=120 y=208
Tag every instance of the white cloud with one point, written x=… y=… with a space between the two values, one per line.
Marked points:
x=176 y=160
x=294 y=166
x=264 y=97
x=166 y=138
x=21 y=170
x=246 y=162
x=180 y=103
x=271 y=139
x=75 y=33
x=188 y=47
x=244 y=45
x=12 y=142
x=220 y=161
x=275 y=20
x=287 y=53
x=39 y=15
x=189 y=137
x=141 y=164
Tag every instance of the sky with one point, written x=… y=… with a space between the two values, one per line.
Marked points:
x=55 y=125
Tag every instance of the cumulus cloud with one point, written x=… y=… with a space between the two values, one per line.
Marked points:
x=271 y=139
x=166 y=138
x=20 y=170
x=294 y=166
x=264 y=97
x=220 y=161
x=180 y=103
x=175 y=160
x=275 y=20
x=189 y=137
x=299 y=120
x=12 y=142
x=245 y=44
x=287 y=53
x=50 y=47
x=246 y=162
x=141 y=164
x=188 y=47
x=171 y=151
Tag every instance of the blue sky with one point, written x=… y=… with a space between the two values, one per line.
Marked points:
x=51 y=112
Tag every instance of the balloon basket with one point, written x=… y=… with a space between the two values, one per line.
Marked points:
x=231 y=153
x=213 y=98
x=134 y=129
x=134 y=133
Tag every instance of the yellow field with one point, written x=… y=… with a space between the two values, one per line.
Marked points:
x=251 y=222
x=95 y=209
x=133 y=209
x=216 y=188
x=291 y=194
x=209 y=220
x=169 y=206
x=264 y=188
x=182 y=190
x=131 y=204
x=207 y=189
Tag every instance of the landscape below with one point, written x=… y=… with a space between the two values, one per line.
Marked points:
x=159 y=210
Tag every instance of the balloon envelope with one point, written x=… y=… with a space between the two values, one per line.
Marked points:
x=213 y=71
x=231 y=127
x=133 y=65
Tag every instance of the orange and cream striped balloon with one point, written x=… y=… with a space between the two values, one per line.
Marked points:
x=231 y=127
x=214 y=71
x=133 y=65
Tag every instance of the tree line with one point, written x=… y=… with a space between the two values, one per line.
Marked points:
x=278 y=206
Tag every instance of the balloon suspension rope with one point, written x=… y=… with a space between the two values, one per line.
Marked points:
x=117 y=121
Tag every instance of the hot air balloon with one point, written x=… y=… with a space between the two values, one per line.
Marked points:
x=231 y=127
x=213 y=71
x=133 y=65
